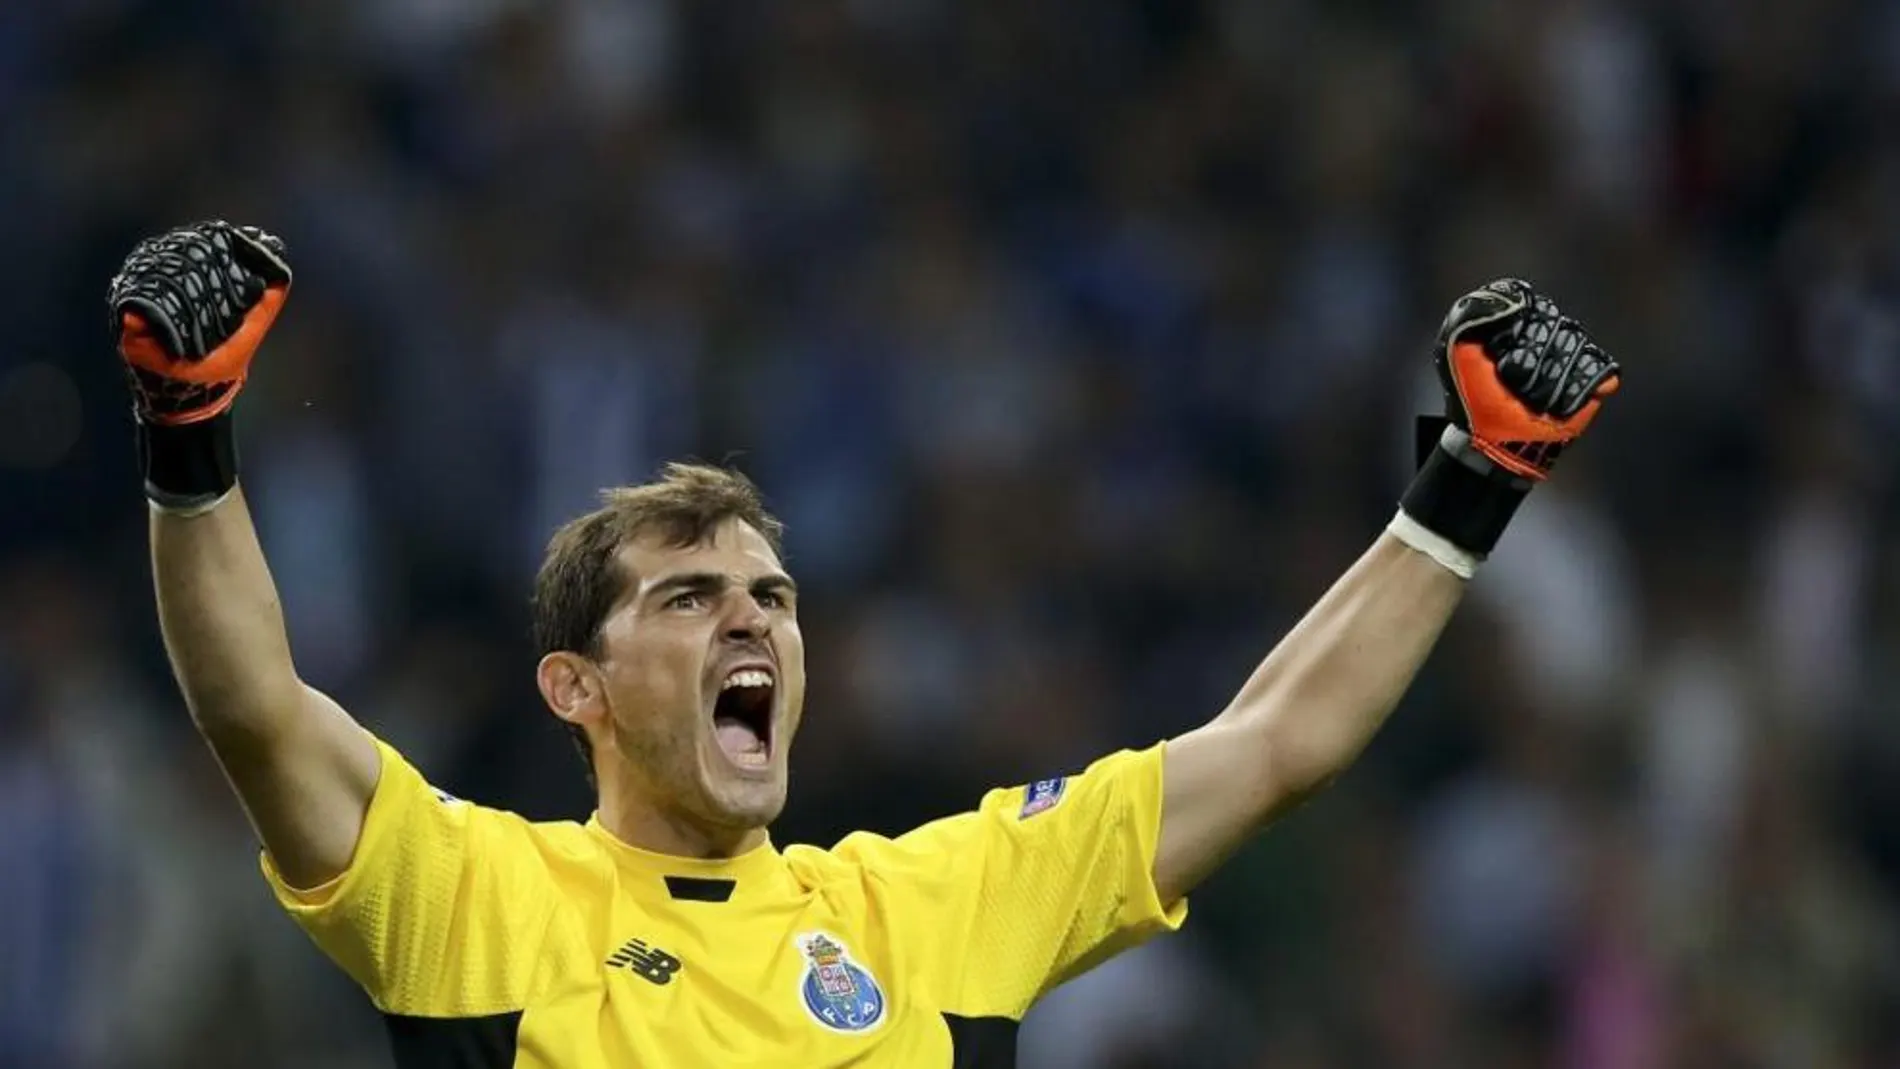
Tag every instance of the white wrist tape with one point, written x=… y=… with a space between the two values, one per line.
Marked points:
x=1460 y=562
x=187 y=509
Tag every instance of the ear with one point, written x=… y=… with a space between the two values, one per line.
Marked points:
x=572 y=687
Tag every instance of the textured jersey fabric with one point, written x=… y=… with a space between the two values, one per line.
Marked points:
x=490 y=940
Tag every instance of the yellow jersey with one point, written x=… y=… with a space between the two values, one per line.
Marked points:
x=488 y=940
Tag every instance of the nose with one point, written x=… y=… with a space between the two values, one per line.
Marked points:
x=747 y=622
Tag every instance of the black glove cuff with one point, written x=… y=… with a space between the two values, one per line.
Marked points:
x=188 y=466
x=1468 y=508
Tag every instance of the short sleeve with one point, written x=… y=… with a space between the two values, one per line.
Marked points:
x=1041 y=883
x=443 y=908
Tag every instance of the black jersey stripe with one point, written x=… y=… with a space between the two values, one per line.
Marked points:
x=454 y=1042
x=699 y=889
x=982 y=1042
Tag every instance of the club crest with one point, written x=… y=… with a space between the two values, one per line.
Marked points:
x=838 y=992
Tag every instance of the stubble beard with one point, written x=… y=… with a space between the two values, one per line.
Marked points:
x=677 y=777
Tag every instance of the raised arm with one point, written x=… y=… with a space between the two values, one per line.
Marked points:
x=1521 y=383
x=190 y=309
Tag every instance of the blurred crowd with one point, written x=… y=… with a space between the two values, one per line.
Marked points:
x=1078 y=342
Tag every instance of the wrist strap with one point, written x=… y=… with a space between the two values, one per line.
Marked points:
x=188 y=467
x=1460 y=562
x=1461 y=497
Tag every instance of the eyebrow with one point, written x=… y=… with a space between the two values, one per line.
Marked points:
x=777 y=581
x=714 y=583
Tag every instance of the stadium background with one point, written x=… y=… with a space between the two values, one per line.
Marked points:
x=1077 y=341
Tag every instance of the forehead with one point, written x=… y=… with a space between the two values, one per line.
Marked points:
x=735 y=548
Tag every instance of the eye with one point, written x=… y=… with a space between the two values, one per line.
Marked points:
x=686 y=601
x=771 y=599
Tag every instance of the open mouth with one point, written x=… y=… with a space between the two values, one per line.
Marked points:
x=742 y=716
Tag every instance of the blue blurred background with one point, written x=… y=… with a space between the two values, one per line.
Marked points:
x=1078 y=343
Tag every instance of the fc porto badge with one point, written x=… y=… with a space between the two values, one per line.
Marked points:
x=838 y=992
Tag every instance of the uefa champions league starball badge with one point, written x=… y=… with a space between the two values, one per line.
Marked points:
x=838 y=992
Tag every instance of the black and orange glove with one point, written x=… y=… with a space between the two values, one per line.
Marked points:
x=1522 y=382
x=189 y=309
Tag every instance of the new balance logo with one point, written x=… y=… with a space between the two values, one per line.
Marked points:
x=648 y=963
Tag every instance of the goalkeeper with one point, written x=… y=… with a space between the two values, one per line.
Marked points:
x=669 y=929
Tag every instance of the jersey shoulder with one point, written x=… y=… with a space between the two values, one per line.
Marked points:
x=575 y=865
x=505 y=835
x=559 y=840
x=910 y=870
x=1041 y=825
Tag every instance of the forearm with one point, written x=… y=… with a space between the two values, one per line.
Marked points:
x=1324 y=691
x=222 y=623
x=1305 y=713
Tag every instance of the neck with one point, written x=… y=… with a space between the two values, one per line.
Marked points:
x=666 y=830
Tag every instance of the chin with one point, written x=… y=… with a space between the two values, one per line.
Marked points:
x=751 y=804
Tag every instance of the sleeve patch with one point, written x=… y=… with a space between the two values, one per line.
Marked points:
x=1042 y=795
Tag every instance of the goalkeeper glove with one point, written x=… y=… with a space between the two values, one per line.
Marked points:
x=189 y=309
x=1522 y=382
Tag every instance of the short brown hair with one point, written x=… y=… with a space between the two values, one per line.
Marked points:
x=580 y=577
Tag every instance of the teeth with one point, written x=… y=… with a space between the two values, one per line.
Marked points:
x=747 y=677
